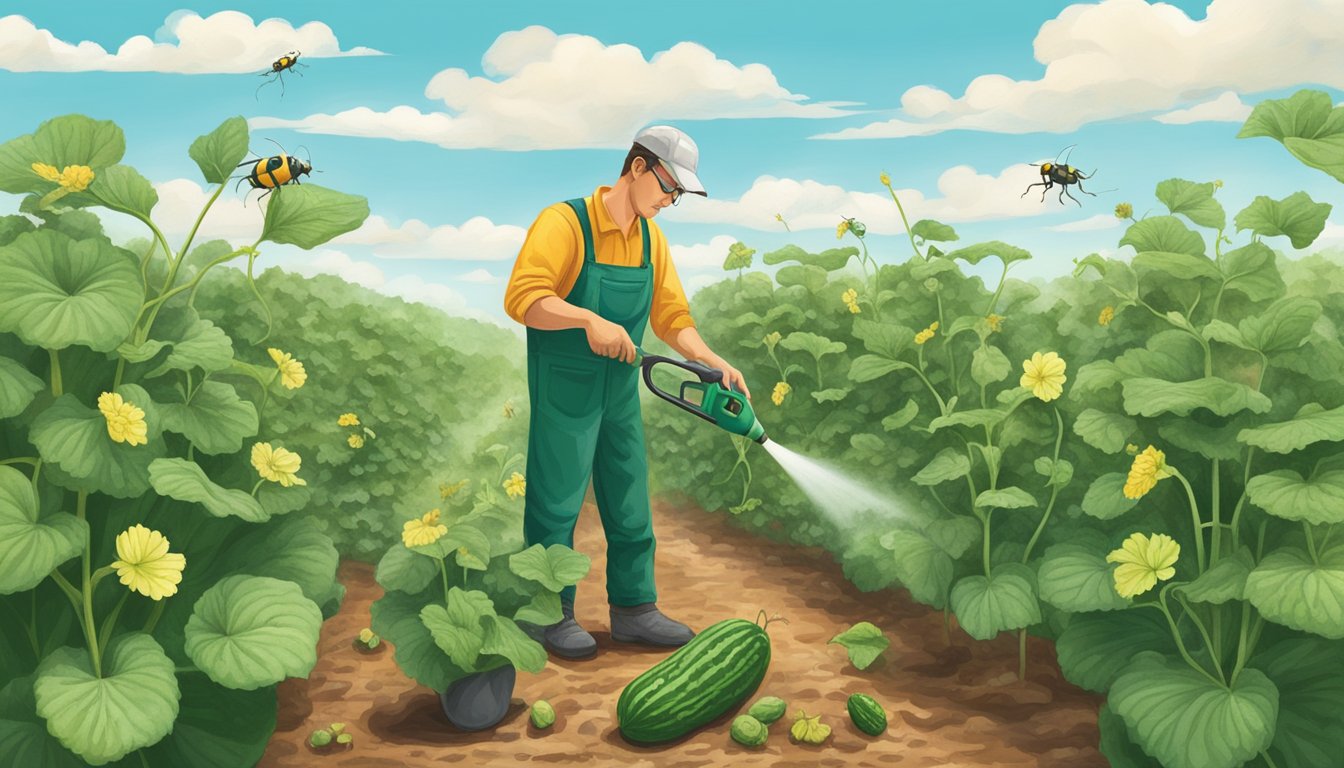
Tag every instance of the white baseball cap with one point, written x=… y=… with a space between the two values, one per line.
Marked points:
x=677 y=150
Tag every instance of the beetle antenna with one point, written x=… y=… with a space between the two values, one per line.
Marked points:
x=306 y=152
x=1068 y=151
x=276 y=143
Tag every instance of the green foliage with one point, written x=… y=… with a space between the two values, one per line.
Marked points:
x=864 y=643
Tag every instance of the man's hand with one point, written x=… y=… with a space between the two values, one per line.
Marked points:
x=732 y=377
x=609 y=339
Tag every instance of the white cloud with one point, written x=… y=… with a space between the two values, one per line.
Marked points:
x=1121 y=58
x=1227 y=108
x=227 y=41
x=480 y=276
x=549 y=91
x=477 y=239
x=1099 y=221
x=702 y=255
x=180 y=202
x=964 y=195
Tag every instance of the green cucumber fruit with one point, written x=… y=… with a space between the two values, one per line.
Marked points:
x=748 y=731
x=768 y=709
x=716 y=671
x=867 y=714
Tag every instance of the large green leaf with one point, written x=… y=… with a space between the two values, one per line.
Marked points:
x=396 y=617
x=809 y=276
x=1289 y=588
x=1186 y=720
x=1164 y=234
x=544 y=610
x=24 y=739
x=219 y=152
x=246 y=632
x=554 y=567
x=1284 y=493
x=61 y=141
x=864 y=642
x=816 y=345
x=1057 y=473
x=1308 y=125
x=1104 y=431
x=32 y=544
x=214 y=419
x=185 y=481
x=1006 y=600
x=989 y=365
x=404 y=570
x=1176 y=266
x=1297 y=216
x=868 y=367
x=829 y=260
x=73 y=438
x=308 y=215
x=458 y=627
x=884 y=339
x=1075 y=578
x=504 y=638
x=1105 y=498
x=1095 y=647
x=17 y=388
x=1250 y=270
x=466 y=543
x=1153 y=397
x=1284 y=325
x=1116 y=746
x=1011 y=497
x=122 y=188
x=196 y=343
x=976 y=417
x=929 y=229
x=217 y=727
x=949 y=464
x=1309 y=673
x=974 y=254
x=1312 y=424
x=1194 y=201
x=1224 y=581
x=101 y=719
x=55 y=291
x=295 y=549
x=920 y=564
x=954 y=535
x=12 y=226
x=1210 y=442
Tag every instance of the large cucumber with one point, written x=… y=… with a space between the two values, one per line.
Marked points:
x=716 y=671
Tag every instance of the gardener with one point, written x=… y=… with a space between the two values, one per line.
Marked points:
x=591 y=274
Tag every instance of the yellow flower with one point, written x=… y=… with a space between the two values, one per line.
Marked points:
x=782 y=389
x=1131 y=449
x=47 y=172
x=841 y=229
x=348 y=420
x=779 y=217
x=515 y=486
x=854 y=309
x=446 y=490
x=1148 y=467
x=995 y=323
x=277 y=464
x=292 y=374
x=125 y=422
x=145 y=565
x=1106 y=316
x=366 y=635
x=885 y=179
x=1217 y=183
x=1044 y=375
x=76 y=178
x=851 y=299
x=1143 y=562
x=1124 y=211
x=926 y=334
x=423 y=530
x=355 y=441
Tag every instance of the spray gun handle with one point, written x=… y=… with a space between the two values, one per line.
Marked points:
x=649 y=361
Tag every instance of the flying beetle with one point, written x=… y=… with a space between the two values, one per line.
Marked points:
x=270 y=172
x=1063 y=175
x=288 y=62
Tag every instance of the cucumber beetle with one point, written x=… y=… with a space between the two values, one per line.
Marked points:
x=1063 y=175
x=270 y=172
x=288 y=62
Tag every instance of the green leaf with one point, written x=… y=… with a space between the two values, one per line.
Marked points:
x=976 y=417
x=1181 y=266
x=954 y=535
x=215 y=420
x=56 y=292
x=974 y=254
x=935 y=265
x=102 y=719
x=12 y=226
x=1095 y=647
x=1116 y=745
x=989 y=366
x=1311 y=425
x=900 y=418
x=831 y=395
x=396 y=618
x=17 y=388
x=246 y=632
x=296 y=550
x=1297 y=216
x=1164 y=234
x=196 y=343
x=186 y=481
x=1194 y=201
x=829 y=260
x=949 y=464
x=1057 y=473
x=460 y=535
x=1074 y=578
x=1225 y=580
x=864 y=643
x=404 y=570
x=61 y=141
x=122 y=188
x=1309 y=673
x=1011 y=497
x=504 y=638
x=1152 y=397
x=1250 y=270
x=1186 y=720
x=1284 y=493
x=308 y=215
x=74 y=443
x=920 y=564
x=883 y=339
x=1209 y=442
x=146 y=350
x=219 y=152
x=929 y=229
x=1289 y=588
x=817 y=346
x=24 y=739
x=869 y=367
x=809 y=276
x=32 y=544
x=554 y=567
x=459 y=627
x=1104 y=431
x=1307 y=125
x=544 y=610
x=217 y=727
x=1105 y=498
x=1284 y=325
x=987 y=606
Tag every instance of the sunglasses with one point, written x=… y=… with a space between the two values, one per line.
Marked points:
x=669 y=186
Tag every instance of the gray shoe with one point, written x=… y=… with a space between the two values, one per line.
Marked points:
x=644 y=623
x=567 y=639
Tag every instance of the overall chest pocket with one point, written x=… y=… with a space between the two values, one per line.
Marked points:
x=622 y=301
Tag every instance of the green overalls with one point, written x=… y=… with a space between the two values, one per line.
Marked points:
x=585 y=420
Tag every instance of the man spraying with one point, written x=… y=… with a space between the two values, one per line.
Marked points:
x=591 y=274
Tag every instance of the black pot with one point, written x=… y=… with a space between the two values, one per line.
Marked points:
x=479 y=700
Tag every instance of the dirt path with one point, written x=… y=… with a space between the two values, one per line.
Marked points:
x=947 y=706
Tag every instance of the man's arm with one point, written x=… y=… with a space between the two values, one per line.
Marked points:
x=552 y=313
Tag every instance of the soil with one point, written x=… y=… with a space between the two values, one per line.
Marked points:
x=948 y=704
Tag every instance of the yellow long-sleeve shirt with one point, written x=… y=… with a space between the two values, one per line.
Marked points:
x=552 y=255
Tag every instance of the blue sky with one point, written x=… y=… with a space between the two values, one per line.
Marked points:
x=499 y=109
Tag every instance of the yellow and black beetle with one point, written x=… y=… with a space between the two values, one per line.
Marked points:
x=1063 y=175
x=278 y=69
x=270 y=172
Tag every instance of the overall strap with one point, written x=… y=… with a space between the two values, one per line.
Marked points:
x=581 y=210
x=644 y=228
